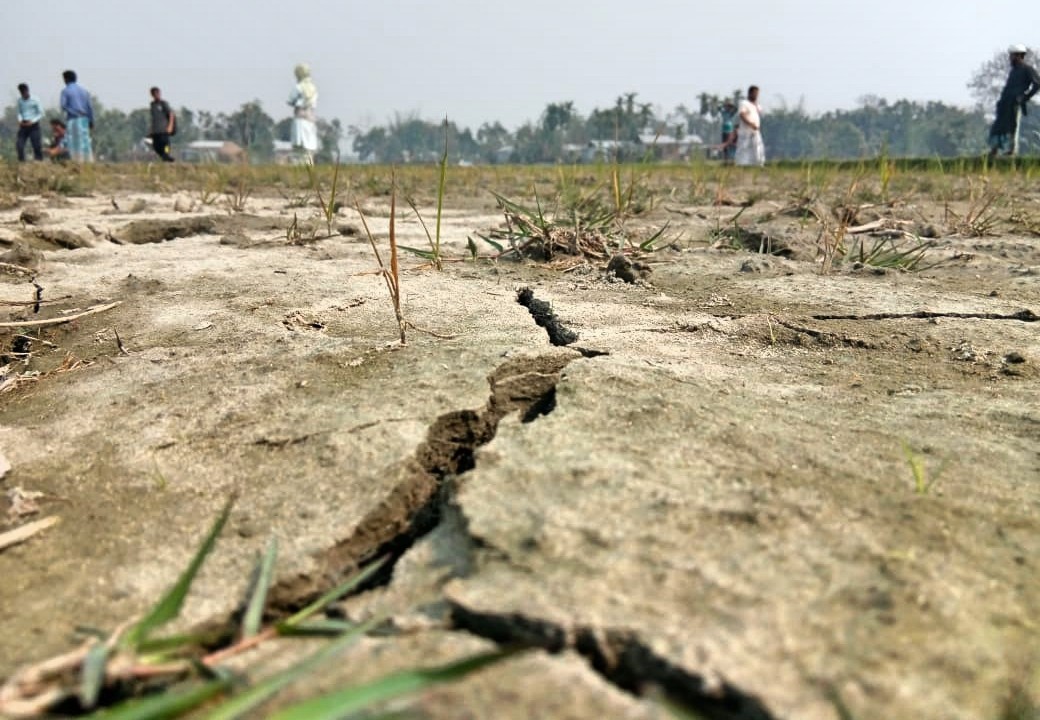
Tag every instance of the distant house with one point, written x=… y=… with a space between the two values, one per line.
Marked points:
x=665 y=147
x=283 y=152
x=224 y=151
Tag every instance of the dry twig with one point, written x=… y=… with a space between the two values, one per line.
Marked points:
x=23 y=533
x=61 y=320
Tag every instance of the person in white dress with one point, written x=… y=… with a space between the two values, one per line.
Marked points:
x=751 y=151
x=304 y=100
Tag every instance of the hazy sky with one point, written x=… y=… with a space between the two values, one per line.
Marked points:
x=478 y=60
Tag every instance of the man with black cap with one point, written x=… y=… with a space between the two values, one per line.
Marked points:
x=1023 y=83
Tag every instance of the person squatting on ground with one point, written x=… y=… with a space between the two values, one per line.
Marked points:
x=59 y=145
x=79 y=118
x=729 y=131
x=751 y=151
x=163 y=125
x=30 y=112
x=1022 y=83
x=304 y=100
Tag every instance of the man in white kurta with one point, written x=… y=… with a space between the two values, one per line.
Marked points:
x=304 y=100
x=751 y=151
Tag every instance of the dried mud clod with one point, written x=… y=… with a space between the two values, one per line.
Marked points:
x=141 y=232
x=32 y=216
x=624 y=268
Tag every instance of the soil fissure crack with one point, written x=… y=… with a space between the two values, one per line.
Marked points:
x=544 y=317
x=525 y=384
x=1022 y=316
x=621 y=658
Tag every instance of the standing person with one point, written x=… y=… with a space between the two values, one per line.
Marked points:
x=751 y=151
x=163 y=120
x=1022 y=84
x=304 y=100
x=79 y=118
x=59 y=146
x=729 y=131
x=29 y=115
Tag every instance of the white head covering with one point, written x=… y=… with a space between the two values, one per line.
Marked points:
x=1017 y=50
x=306 y=86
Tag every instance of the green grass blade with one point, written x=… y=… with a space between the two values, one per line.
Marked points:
x=93 y=676
x=169 y=704
x=497 y=245
x=318 y=627
x=332 y=595
x=341 y=703
x=425 y=254
x=429 y=237
x=648 y=244
x=441 y=182
x=258 y=600
x=249 y=700
x=164 y=646
x=169 y=607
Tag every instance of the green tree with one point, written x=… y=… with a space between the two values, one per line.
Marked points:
x=253 y=129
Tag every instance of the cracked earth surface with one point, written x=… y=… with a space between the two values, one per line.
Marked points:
x=698 y=483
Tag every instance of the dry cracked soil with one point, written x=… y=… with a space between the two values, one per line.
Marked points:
x=766 y=491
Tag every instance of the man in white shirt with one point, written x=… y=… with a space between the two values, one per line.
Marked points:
x=751 y=151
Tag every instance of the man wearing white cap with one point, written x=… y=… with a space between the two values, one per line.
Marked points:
x=1023 y=82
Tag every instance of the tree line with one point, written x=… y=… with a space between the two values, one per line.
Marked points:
x=627 y=129
x=633 y=130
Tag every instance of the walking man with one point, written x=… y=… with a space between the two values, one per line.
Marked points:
x=1022 y=84
x=163 y=125
x=79 y=118
x=729 y=131
x=29 y=115
x=751 y=151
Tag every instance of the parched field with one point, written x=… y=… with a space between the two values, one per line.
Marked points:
x=704 y=442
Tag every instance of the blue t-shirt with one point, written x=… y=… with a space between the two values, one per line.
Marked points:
x=727 y=120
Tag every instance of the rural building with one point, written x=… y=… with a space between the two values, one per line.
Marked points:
x=212 y=151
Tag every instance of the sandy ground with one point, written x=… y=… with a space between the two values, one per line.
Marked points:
x=709 y=492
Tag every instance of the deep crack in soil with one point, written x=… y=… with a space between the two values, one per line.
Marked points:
x=1022 y=316
x=544 y=317
x=620 y=658
x=525 y=384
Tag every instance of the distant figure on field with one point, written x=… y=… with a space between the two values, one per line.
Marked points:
x=729 y=131
x=58 y=149
x=29 y=115
x=751 y=151
x=163 y=125
x=79 y=118
x=1022 y=84
x=304 y=100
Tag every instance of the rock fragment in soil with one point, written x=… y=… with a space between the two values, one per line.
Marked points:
x=32 y=216
x=624 y=268
x=65 y=239
x=140 y=232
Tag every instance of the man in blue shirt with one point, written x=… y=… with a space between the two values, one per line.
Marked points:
x=79 y=118
x=729 y=131
x=1022 y=84
x=29 y=115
